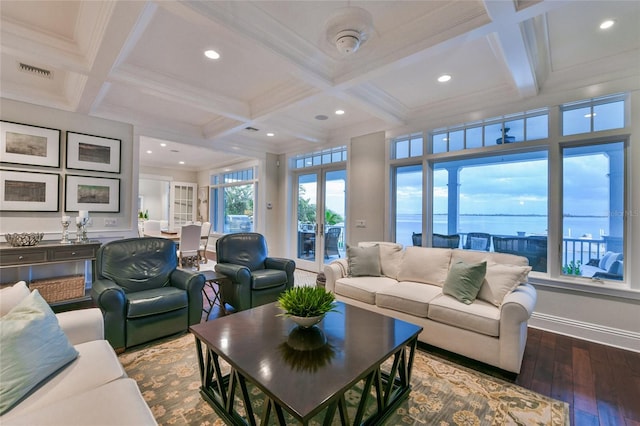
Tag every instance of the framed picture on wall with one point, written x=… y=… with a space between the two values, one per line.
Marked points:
x=95 y=153
x=29 y=145
x=94 y=194
x=29 y=191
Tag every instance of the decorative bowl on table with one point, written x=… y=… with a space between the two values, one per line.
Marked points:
x=24 y=238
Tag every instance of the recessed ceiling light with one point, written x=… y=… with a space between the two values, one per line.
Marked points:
x=607 y=24
x=444 y=78
x=181 y=162
x=271 y=134
x=163 y=144
x=590 y=115
x=149 y=152
x=339 y=112
x=321 y=117
x=211 y=54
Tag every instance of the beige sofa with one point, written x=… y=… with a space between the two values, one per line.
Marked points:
x=93 y=389
x=492 y=329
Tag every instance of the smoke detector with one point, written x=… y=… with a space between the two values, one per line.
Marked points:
x=348 y=28
x=347 y=41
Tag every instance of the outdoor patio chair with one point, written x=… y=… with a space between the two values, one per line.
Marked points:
x=478 y=241
x=331 y=242
x=416 y=237
x=445 y=241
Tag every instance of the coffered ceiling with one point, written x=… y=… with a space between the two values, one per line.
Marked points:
x=142 y=62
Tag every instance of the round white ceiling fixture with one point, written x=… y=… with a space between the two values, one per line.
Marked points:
x=347 y=41
x=348 y=29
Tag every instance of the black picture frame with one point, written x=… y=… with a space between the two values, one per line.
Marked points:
x=91 y=193
x=26 y=144
x=22 y=191
x=92 y=153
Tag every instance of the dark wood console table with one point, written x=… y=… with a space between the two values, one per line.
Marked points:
x=49 y=252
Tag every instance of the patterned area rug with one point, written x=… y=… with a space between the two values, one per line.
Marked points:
x=442 y=393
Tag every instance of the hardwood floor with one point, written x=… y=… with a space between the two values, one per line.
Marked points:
x=600 y=383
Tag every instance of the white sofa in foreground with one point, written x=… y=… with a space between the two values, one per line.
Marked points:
x=411 y=286
x=91 y=389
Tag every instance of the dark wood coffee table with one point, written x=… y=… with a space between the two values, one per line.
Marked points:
x=304 y=383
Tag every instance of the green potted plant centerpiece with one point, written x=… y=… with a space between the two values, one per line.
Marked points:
x=306 y=306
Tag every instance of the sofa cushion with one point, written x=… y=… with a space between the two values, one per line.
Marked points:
x=480 y=316
x=33 y=348
x=408 y=297
x=118 y=403
x=472 y=256
x=363 y=288
x=10 y=296
x=364 y=261
x=500 y=280
x=96 y=365
x=390 y=257
x=464 y=280
x=425 y=265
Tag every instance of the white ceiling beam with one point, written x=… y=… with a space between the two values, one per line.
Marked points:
x=510 y=45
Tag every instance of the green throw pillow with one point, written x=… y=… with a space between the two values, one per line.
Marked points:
x=364 y=261
x=464 y=281
x=33 y=348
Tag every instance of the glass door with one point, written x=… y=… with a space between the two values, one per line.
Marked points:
x=321 y=217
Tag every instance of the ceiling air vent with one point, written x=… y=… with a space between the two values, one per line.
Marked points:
x=251 y=129
x=41 y=72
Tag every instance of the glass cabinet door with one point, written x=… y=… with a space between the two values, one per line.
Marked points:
x=183 y=204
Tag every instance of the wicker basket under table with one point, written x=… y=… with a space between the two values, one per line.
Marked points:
x=60 y=288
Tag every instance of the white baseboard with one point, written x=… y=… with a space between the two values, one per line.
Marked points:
x=616 y=337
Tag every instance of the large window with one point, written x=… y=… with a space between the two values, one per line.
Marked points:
x=593 y=210
x=232 y=196
x=408 y=204
x=498 y=196
x=502 y=198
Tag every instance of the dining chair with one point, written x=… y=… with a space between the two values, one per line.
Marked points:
x=189 y=248
x=204 y=240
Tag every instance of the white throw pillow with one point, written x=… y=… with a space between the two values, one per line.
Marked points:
x=500 y=280
x=11 y=296
x=425 y=265
x=33 y=348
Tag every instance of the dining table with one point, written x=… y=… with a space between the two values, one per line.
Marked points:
x=172 y=235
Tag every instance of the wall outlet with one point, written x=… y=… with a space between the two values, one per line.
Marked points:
x=110 y=222
x=360 y=223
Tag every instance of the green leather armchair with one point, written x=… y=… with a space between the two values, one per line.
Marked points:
x=142 y=294
x=255 y=278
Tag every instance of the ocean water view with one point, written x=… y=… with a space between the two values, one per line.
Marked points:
x=575 y=226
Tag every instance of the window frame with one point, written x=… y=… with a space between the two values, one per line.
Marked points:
x=217 y=186
x=554 y=143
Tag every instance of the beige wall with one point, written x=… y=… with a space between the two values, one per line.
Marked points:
x=366 y=188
